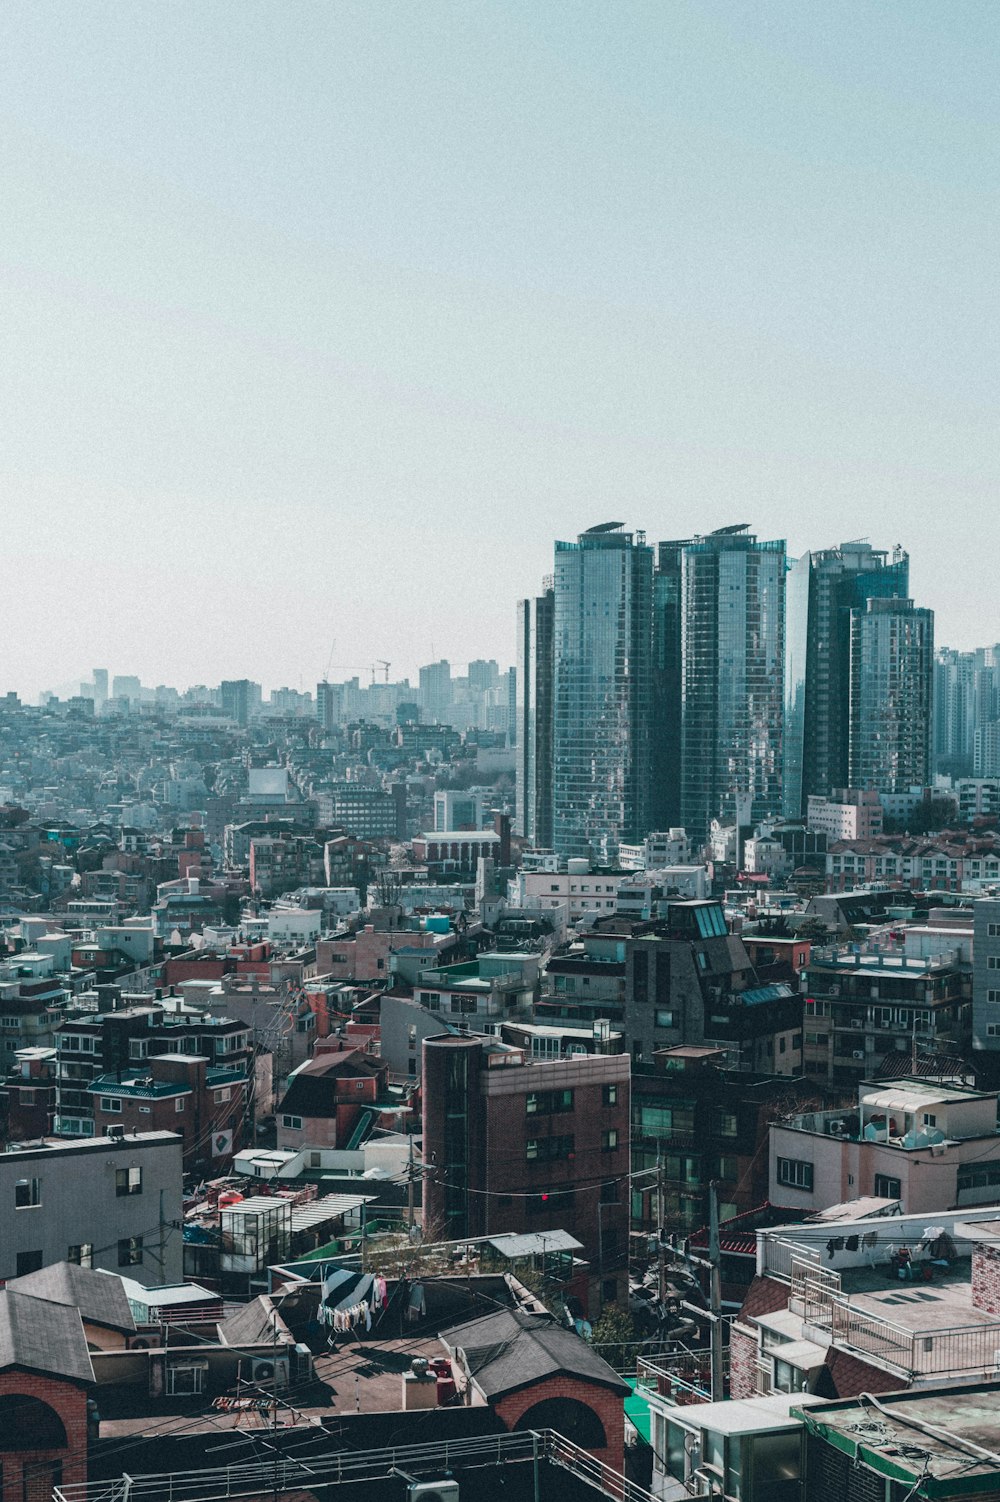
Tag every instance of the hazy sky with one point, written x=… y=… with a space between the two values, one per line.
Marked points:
x=323 y=319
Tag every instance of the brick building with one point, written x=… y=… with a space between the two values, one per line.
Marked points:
x=514 y=1144
x=45 y=1378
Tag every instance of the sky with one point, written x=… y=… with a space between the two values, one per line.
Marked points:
x=320 y=321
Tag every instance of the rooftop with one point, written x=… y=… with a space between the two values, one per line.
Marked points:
x=926 y=1438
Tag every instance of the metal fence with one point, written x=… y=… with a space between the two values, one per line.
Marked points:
x=356 y=1467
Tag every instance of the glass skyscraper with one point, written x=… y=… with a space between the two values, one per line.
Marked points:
x=601 y=720
x=892 y=677
x=732 y=671
x=533 y=819
x=823 y=589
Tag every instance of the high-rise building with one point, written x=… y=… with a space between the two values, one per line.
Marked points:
x=665 y=751
x=533 y=732
x=602 y=691
x=892 y=677
x=436 y=690
x=239 y=699
x=823 y=588
x=328 y=704
x=732 y=595
x=966 y=705
x=100 y=688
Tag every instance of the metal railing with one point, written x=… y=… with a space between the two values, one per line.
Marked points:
x=952 y=1350
x=355 y=1467
x=779 y=1254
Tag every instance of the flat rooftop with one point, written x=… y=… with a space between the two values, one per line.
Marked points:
x=891 y=1434
x=946 y=1302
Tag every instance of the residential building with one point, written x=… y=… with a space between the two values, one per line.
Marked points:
x=335 y=1099
x=823 y=589
x=732 y=649
x=847 y=814
x=892 y=659
x=46 y=1379
x=859 y=1004
x=457 y=849
x=696 y=1122
x=986 y=982
x=860 y=1299
x=915 y=1141
x=108 y=1202
x=583 y=892
x=602 y=689
x=492 y=988
x=177 y=1092
x=520 y=1145
x=688 y=980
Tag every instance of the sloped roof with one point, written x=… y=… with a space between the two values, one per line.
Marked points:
x=100 y=1297
x=253 y=1325
x=511 y=1349
x=43 y=1336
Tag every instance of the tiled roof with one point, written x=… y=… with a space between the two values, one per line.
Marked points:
x=44 y=1337
x=764 y=1296
x=851 y=1376
x=510 y=1349
x=100 y=1297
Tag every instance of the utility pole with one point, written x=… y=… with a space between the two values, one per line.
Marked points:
x=715 y=1293
x=661 y=1250
x=409 y=1187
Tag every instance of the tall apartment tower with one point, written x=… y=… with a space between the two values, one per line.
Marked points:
x=665 y=778
x=601 y=716
x=100 y=688
x=892 y=678
x=732 y=592
x=533 y=733
x=823 y=588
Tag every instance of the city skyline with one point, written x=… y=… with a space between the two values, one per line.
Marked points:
x=298 y=675
x=291 y=294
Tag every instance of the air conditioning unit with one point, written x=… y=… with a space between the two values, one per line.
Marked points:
x=858 y=1053
x=116 y=1134
x=302 y=1357
x=433 y=1491
x=834 y=990
x=270 y=1371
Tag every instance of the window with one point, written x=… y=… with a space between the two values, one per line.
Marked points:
x=930 y=1119
x=993 y=962
x=315 y=1160
x=82 y=1255
x=27 y=1193
x=27 y=1262
x=185 y=1378
x=179 y=1103
x=610 y=1194
x=609 y=1141
x=548 y=1149
x=993 y=996
x=26 y=1097
x=111 y=1105
x=728 y=1126
x=128 y=1181
x=978 y=1176
x=726 y=1168
x=794 y=1173
x=221 y=1095
x=886 y=1188
x=665 y=1017
x=993 y=930
x=130 y=1251
x=609 y=1095
x=293 y=1123
x=548 y=1102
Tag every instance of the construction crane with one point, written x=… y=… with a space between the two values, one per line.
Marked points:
x=385 y=667
x=329 y=661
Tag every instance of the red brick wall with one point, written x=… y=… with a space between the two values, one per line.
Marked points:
x=609 y=1407
x=986 y=1278
x=70 y=1402
x=742 y=1363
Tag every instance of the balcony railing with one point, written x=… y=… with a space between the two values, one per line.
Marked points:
x=954 y=1350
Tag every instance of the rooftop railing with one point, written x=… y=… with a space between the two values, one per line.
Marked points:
x=356 y=1468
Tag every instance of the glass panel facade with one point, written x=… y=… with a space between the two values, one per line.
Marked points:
x=732 y=648
x=602 y=646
